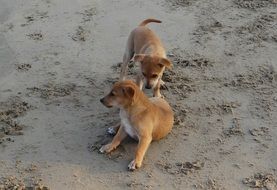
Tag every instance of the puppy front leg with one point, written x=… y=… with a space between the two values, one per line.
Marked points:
x=141 y=150
x=139 y=82
x=156 y=89
x=120 y=135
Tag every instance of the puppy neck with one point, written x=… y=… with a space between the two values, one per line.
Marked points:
x=140 y=103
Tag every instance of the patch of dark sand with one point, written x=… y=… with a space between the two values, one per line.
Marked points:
x=209 y=26
x=255 y=4
x=14 y=183
x=262 y=106
x=261 y=131
x=191 y=61
x=80 y=35
x=37 y=36
x=180 y=167
x=178 y=84
x=51 y=90
x=88 y=14
x=210 y=184
x=23 y=67
x=265 y=75
x=13 y=108
x=175 y=4
x=37 y=15
x=262 y=181
x=138 y=185
x=262 y=28
x=234 y=130
x=216 y=109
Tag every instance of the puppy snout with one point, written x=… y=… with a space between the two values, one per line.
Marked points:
x=102 y=100
x=148 y=86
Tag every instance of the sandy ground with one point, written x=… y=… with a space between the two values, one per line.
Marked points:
x=59 y=57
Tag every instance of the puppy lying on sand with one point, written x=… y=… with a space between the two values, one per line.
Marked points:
x=142 y=118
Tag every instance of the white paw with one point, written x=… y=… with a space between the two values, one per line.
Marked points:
x=158 y=96
x=111 y=131
x=102 y=149
x=106 y=148
x=132 y=165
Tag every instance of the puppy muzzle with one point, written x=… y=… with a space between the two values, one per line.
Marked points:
x=102 y=100
x=105 y=103
x=148 y=87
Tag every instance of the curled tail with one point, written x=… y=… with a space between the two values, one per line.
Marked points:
x=143 y=23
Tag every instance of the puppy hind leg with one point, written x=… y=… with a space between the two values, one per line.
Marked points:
x=128 y=55
x=126 y=60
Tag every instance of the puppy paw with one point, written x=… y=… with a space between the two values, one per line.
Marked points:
x=106 y=148
x=162 y=96
x=111 y=131
x=158 y=95
x=133 y=165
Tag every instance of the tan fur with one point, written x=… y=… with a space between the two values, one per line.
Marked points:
x=145 y=47
x=144 y=119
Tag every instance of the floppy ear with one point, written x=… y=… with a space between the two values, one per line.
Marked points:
x=129 y=91
x=138 y=57
x=165 y=62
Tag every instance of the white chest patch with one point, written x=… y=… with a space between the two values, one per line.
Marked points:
x=127 y=125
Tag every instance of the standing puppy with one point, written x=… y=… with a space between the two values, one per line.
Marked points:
x=145 y=47
x=142 y=118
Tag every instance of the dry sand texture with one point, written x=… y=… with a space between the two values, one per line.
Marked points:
x=58 y=57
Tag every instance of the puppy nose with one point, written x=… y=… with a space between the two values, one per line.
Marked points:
x=102 y=100
x=148 y=86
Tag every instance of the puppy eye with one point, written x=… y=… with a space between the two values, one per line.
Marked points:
x=112 y=94
x=143 y=74
x=154 y=76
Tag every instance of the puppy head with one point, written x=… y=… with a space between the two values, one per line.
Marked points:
x=121 y=95
x=152 y=68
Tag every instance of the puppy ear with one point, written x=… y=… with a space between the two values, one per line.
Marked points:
x=165 y=62
x=129 y=91
x=138 y=57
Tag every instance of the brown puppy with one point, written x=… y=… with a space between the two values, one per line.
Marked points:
x=145 y=47
x=142 y=118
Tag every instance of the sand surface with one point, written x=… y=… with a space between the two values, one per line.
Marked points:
x=59 y=57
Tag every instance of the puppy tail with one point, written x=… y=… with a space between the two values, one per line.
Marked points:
x=143 y=23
